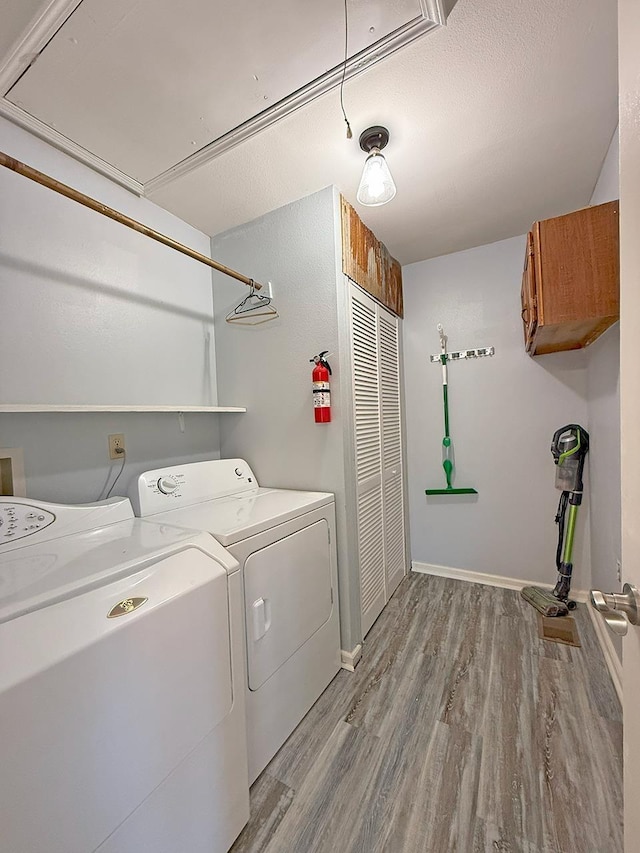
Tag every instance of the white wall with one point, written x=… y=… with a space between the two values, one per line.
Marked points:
x=603 y=395
x=629 y=38
x=267 y=367
x=93 y=313
x=607 y=185
x=66 y=455
x=504 y=411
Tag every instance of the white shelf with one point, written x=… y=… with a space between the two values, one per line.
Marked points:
x=48 y=407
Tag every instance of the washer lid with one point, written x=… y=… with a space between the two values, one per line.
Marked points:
x=24 y=521
x=237 y=517
x=38 y=575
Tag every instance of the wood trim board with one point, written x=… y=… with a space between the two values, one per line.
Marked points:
x=367 y=261
x=349 y=660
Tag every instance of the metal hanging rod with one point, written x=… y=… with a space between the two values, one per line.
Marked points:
x=87 y=201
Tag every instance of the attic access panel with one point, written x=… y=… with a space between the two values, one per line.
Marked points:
x=16 y=17
x=145 y=84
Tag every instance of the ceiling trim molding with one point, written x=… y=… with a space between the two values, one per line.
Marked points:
x=433 y=17
x=63 y=143
x=28 y=46
x=23 y=54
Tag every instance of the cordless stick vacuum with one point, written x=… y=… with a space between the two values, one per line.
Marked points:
x=569 y=448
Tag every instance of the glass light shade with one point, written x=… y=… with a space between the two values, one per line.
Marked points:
x=376 y=184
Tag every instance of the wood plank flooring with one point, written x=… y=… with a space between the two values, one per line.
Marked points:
x=460 y=732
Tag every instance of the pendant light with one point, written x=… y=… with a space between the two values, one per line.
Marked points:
x=376 y=184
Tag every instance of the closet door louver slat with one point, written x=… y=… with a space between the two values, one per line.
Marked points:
x=371 y=554
x=375 y=356
x=366 y=392
x=368 y=456
x=393 y=497
x=394 y=547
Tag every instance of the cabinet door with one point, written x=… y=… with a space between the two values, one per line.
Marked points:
x=393 y=496
x=528 y=295
x=368 y=455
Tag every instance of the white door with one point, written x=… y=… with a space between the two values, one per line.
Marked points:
x=392 y=484
x=629 y=76
x=368 y=455
x=375 y=353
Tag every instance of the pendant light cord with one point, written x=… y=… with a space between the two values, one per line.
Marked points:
x=344 y=68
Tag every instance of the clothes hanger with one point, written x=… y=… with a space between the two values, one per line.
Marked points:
x=253 y=307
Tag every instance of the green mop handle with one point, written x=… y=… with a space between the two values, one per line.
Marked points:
x=567 y=552
x=447 y=444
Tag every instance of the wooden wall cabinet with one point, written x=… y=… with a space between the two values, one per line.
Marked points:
x=571 y=280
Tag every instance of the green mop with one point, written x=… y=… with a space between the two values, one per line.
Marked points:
x=448 y=460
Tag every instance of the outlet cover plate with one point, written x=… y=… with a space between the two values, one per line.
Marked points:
x=116 y=443
x=12 y=479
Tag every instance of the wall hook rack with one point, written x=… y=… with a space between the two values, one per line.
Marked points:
x=448 y=463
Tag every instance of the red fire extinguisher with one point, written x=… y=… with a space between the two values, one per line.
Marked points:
x=321 y=389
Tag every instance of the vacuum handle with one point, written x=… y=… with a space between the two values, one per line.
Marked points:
x=583 y=438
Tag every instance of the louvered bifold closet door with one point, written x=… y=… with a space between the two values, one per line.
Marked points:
x=368 y=455
x=392 y=485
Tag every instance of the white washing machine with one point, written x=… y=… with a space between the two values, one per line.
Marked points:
x=122 y=720
x=285 y=542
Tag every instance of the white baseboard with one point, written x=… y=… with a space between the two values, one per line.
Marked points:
x=350 y=659
x=488 y=580
x=614 y=664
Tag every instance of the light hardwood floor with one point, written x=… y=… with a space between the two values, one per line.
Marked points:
x=459 y=732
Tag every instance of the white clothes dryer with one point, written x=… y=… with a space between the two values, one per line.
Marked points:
x=285 y=542
x=122 y=720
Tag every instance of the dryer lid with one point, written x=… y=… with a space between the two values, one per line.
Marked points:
x=234 y=518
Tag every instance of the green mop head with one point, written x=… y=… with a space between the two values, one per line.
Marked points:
x=450 y=491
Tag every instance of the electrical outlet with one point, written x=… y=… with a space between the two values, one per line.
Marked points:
x=619 y=571
x=12 y=480
x=116 y=445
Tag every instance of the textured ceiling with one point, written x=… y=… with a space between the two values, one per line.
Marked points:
x=143 y=84
x=500 y=119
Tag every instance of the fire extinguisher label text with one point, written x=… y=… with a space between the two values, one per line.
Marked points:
x=321 y=395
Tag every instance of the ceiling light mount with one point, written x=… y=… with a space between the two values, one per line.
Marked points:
x=374 y=137
x=376 y=184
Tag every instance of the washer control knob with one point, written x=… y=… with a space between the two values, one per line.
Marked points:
x=167 y=485
x=238 y=472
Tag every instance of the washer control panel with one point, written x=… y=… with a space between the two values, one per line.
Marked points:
x=168 y=484
x=19 y=520
x=195 y=482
